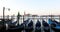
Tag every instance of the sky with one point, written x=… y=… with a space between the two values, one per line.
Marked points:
x=39 y=7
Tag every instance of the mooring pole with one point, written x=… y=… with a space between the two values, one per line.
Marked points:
x=3 y=18
x=18 y=17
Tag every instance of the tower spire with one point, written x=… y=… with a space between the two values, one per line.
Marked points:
x=24 y=13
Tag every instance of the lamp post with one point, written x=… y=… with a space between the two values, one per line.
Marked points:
x=4 y=12
x=4 y=18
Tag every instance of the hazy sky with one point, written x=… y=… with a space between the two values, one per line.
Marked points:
x=40 y=7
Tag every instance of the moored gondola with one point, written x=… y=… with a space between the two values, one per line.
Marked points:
x=46 y=27
x=2 y=28
x=18 y=28
x=38 y=26
x=29 y=27
x=55 y=25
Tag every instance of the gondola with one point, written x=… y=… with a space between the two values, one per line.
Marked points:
x=2 y=28
x=26 y=22
x=17 y=28
x=38 y=26
x=45 y=26
x=55 y=25
x=3 y=24
x=29 y=27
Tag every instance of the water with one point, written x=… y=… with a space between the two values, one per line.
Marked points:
x=33 y=18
